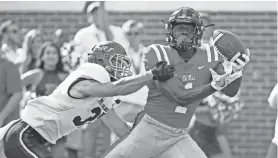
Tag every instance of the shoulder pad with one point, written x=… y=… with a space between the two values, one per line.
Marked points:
x=94 y=71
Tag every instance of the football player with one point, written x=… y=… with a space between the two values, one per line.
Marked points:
x=171 y=104
x=84 y=96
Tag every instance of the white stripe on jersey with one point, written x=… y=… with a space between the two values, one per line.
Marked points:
x=165 y=54
x=208 y=52
x=23 y=145
x=157 y=52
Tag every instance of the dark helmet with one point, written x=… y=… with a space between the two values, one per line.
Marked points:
x=112 y=56
x=187 y=16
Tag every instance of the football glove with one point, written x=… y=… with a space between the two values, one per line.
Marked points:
x=162 y=71
x=221 y=81
x=239 y=64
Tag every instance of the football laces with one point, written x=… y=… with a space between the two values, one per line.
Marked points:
x=223 y=56
x=214 y=40
x=217 y=50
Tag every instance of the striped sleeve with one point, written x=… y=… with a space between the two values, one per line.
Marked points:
x=155 y=53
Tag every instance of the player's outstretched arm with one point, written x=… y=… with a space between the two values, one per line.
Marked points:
x=124 y=86
x=94 y=88
x=174 y=89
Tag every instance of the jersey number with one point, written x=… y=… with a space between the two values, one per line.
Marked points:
x=97 y=113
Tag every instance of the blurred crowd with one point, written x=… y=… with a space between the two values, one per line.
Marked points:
x=35 y=66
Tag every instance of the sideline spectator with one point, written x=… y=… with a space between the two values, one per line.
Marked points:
x=32 y=42
x=11 y=41
x=10 y=91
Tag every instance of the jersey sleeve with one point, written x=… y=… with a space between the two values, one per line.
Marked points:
x=152 y=56
x=95 y=72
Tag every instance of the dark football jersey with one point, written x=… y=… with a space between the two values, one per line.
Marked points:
x=194 y=73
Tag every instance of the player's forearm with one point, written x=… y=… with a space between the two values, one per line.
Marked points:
x=132 y=84
x=195 y=94
x=184 y=96
x=124 y=86
x=232 y=89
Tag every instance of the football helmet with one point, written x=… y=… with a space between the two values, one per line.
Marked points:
x=112 y=56
x=188 y=38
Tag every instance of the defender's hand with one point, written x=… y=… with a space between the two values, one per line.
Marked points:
x=162 y=71
x=239 y=65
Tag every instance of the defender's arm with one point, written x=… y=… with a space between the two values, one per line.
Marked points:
x=124 y=86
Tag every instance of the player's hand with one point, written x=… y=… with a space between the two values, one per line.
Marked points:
x=221 y=81
x=162 y=71
x=239 y=64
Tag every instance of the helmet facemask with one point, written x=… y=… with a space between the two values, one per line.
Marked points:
x=189 y=37
x=184 y=37
x=119 y=66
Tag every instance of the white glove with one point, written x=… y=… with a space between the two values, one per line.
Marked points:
x=241 y=64
x=221 y=81
x=233 y=71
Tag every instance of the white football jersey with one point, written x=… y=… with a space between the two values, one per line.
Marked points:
x=58 y=114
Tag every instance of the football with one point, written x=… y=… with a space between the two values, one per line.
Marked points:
x=228 y=45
